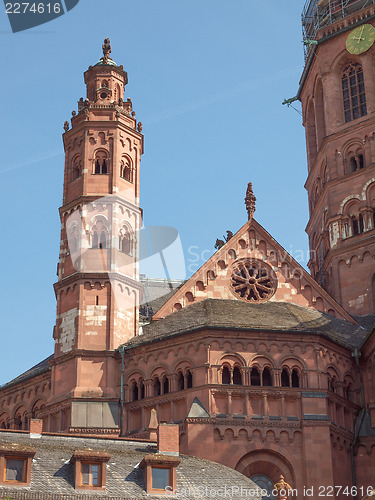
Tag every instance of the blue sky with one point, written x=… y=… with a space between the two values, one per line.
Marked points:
x=207 y=79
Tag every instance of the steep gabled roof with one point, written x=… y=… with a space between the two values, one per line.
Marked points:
x=294 y=284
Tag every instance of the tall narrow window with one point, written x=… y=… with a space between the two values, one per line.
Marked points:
x=141 y=390
x=165 y=385
x=295 y=378
x=255 y=376
x=189 y=378
x=237 y=377
x=226 y=375
x=157 y=387
x=135 y=392
x=285 y=378
x=267 y=377
x=180 y=382
x=353 y=90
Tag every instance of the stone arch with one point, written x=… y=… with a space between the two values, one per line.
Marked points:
x=236 y=358
x=268 y=462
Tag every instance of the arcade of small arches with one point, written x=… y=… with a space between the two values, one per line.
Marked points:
x=257 y=376
x=101 y=166
x=20 y=418
x=160 y=385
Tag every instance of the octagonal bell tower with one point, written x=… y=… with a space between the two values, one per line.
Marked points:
x=98 y=285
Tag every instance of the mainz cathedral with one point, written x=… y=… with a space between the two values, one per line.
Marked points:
x=262 y=366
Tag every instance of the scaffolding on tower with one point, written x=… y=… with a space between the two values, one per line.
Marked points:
x=319 y=13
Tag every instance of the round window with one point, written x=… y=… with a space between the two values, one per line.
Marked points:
x=103 y=95
x=253 y=280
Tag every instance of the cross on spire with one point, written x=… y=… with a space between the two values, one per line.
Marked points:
x=250 y=201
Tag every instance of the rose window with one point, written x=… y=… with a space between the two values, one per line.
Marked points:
x=253 y=280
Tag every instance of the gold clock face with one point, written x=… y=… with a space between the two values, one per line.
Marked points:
x=360 y=39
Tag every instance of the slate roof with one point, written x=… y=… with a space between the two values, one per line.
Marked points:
x=52 y=473
x=237 y=315
x=38 y=369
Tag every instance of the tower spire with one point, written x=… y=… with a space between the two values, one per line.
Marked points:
x=250 y=201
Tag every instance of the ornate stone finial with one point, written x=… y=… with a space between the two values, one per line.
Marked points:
x=139 y=127
x=250 y=201
x=106 y=50
x=66 y=126
x=282 y=488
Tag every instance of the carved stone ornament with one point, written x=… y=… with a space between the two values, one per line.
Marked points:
x=253 y=280
x=66 y=126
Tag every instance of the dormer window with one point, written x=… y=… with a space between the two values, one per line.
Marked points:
x=90 y=474
x=90 y=469
x=161 y=478
x=15 y=464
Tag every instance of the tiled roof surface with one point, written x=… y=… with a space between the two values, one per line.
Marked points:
x=268 y=316
x=52 y=473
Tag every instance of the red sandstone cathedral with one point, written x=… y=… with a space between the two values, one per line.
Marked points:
x=264 y=367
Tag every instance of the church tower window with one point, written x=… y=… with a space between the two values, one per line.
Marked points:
x=189 y=379
x=295 y=378
x=237 y=377
x=225 y=375
x=353 y=89
x=285 y=378
x=267 y=377
x=180 y=382
x=101 y=162
x=255 y=376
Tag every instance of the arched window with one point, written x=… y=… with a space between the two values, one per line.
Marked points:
x=355 y=226
x=353 y=164
x=95 y=240
x=361 y=226
x=126 y=170
x=157 y=387
x=189 y=379
x=103 y=240
x=75 y=170
x=225 y=378
x=356 y=162
x=237 y=376
x=165 y=385
x=267 y=377
x=135 y=392
x=285 y=378
x=101 y=162
x=99 y=235
x=126 y=244
x=255 y=376
x=353 y=90
x=180 y=382
x=361 y=162
x=295 y=378
x=141 y=390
